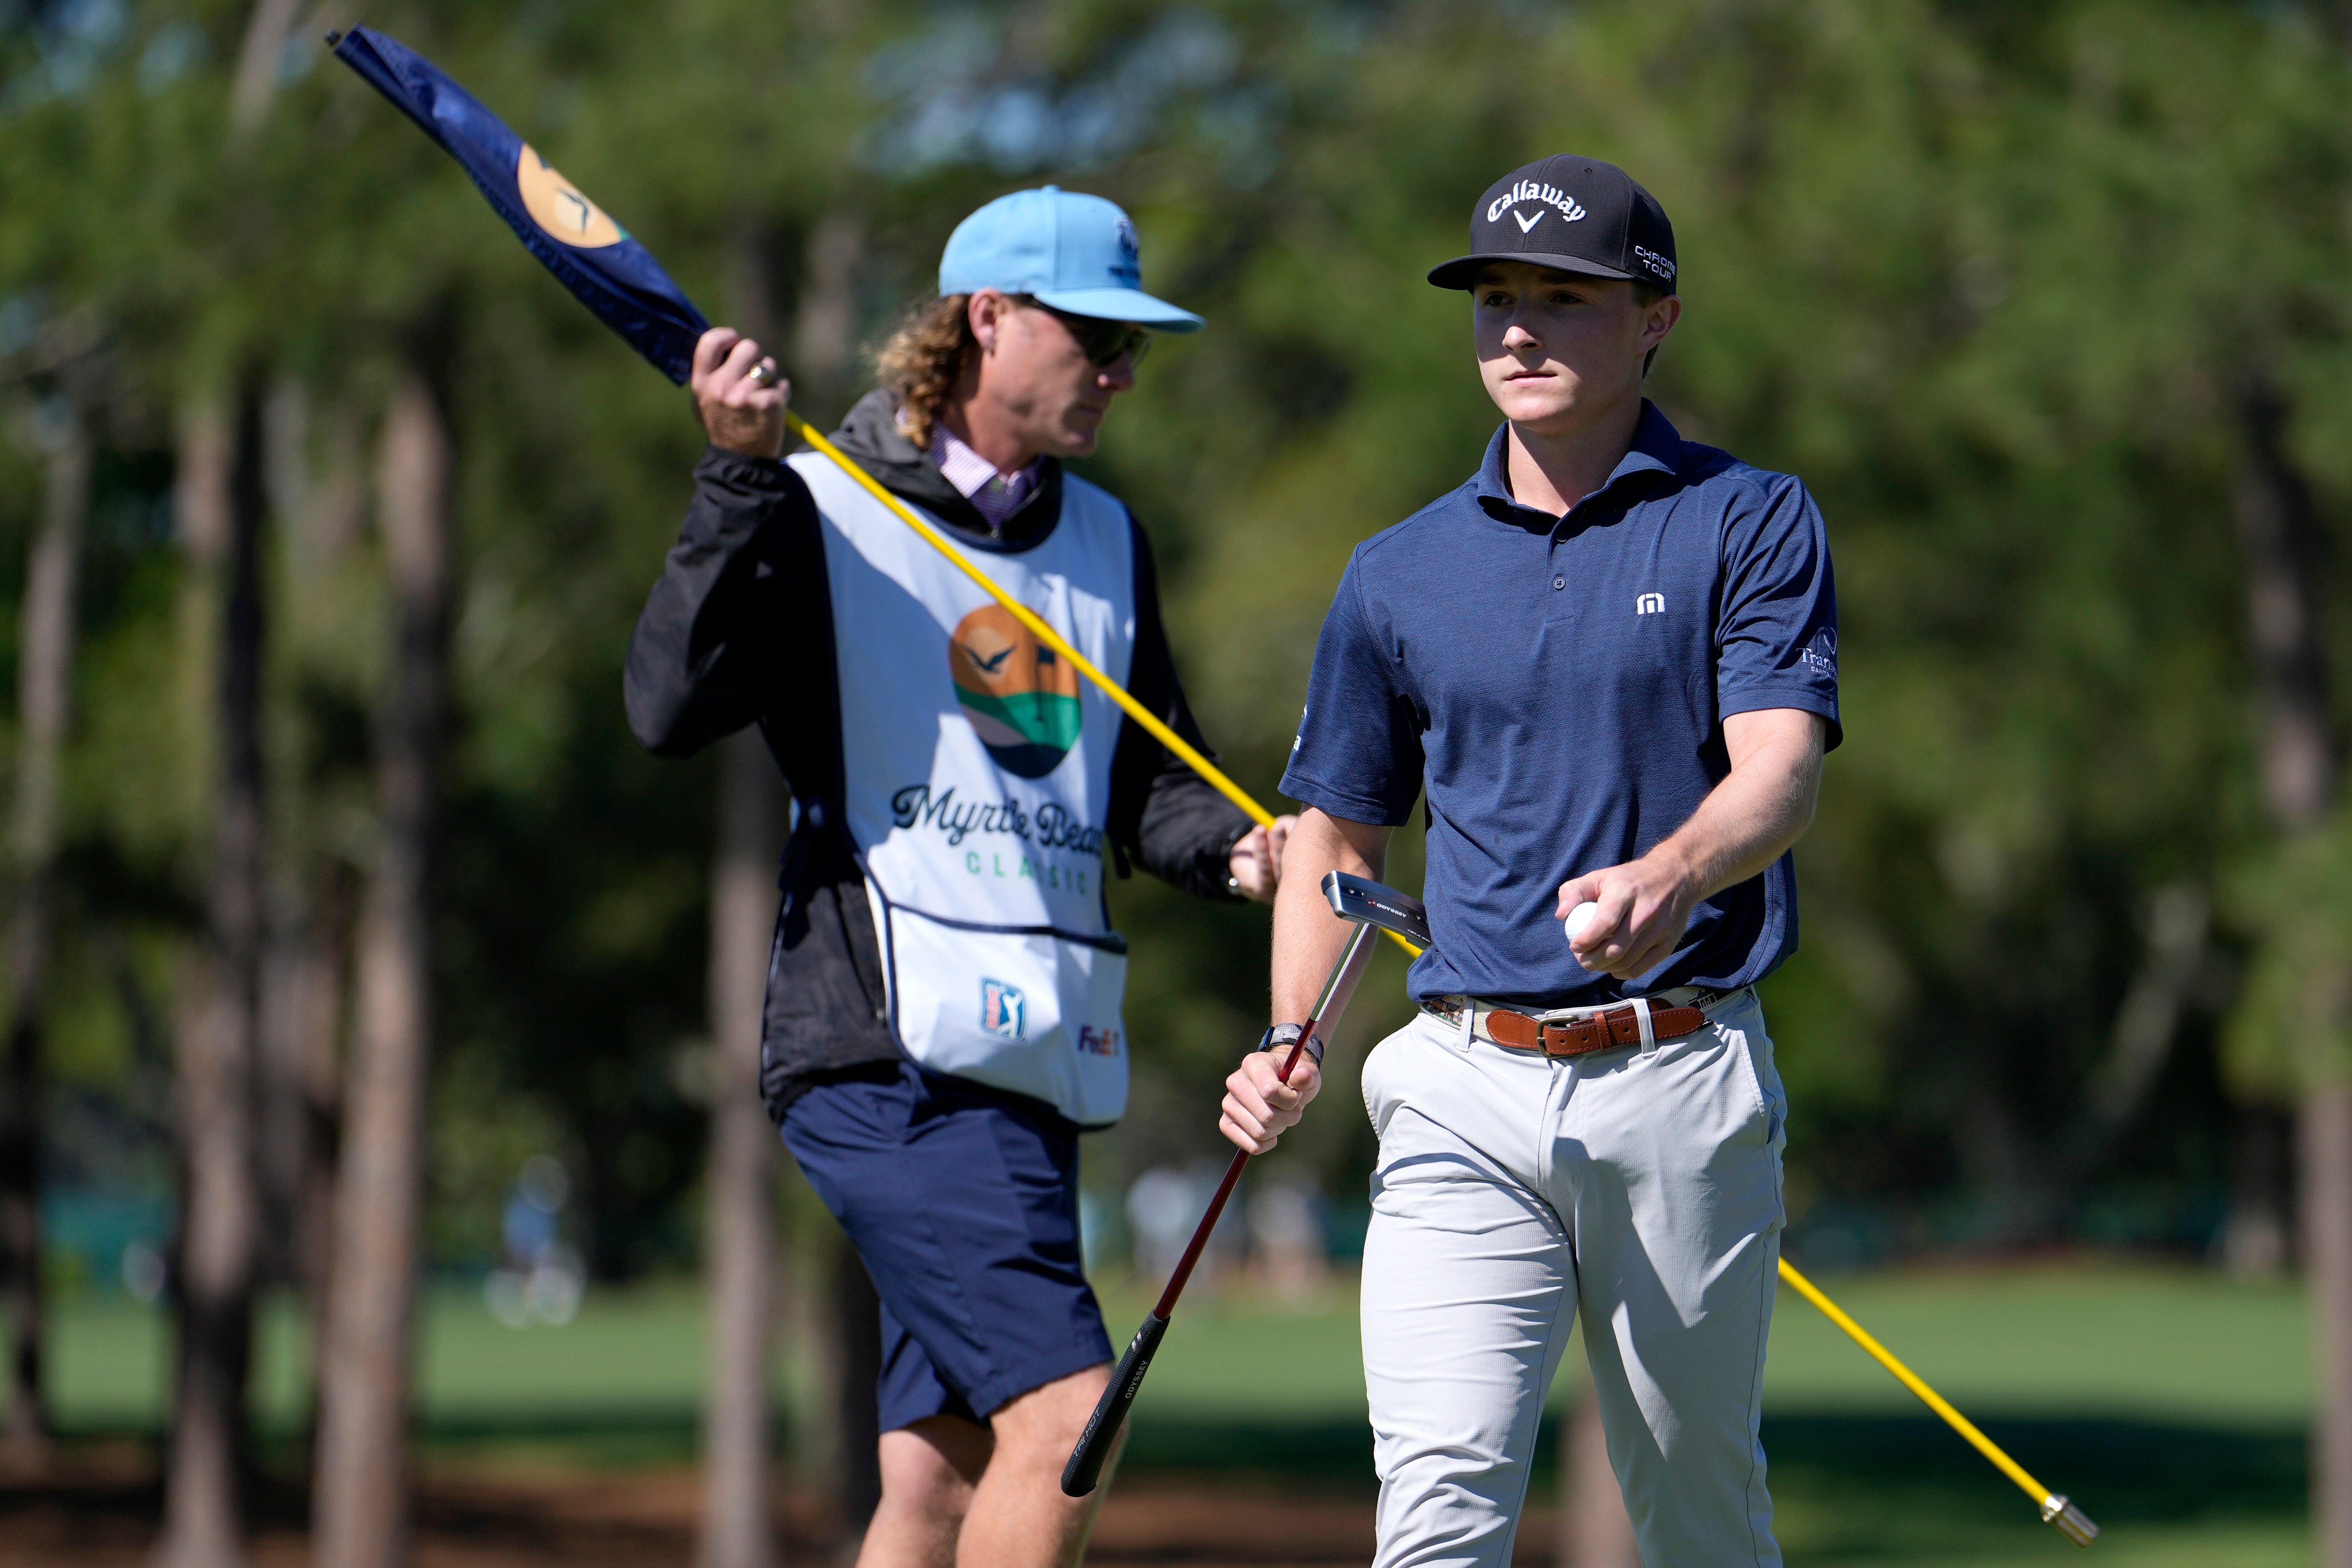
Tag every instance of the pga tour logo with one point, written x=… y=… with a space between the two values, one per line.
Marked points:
x=1002 y=1009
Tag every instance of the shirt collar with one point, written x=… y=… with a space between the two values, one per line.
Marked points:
x=991 y=492
x=1657 y=449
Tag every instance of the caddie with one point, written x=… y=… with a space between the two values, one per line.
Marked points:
x=1610 y=660
x=943 y=997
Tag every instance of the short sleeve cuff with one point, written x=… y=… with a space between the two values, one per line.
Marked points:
x=1759 y=698
x=1346 y=804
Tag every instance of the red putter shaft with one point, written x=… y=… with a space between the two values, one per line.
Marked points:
x=1224 y=1190
x=1093 y=1449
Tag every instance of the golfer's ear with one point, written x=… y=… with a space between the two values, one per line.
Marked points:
x=1663 y=315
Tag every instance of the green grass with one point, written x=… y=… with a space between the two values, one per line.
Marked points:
x=2171 y=1404
x=2077 y=1340
x=2080 y=1341
x=618 y=1384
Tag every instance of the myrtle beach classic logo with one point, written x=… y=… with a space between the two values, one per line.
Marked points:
x=556 y=205
x=1022 y=699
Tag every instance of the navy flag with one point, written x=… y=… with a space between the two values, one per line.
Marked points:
x=612 y=274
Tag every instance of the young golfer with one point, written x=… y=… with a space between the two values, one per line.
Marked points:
x=1610 y=660
x=943 y=998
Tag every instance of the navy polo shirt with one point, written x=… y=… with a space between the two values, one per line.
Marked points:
x=1558 y=685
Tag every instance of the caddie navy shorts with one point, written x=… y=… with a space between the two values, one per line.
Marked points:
x=963 y=1202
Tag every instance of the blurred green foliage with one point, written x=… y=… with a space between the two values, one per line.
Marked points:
x=1989 y=276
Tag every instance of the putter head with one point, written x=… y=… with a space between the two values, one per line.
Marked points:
x=1367 y=903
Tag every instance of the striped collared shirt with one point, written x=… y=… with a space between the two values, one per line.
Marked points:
x=991 y=492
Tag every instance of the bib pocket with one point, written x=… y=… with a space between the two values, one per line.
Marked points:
x=1036 y=1011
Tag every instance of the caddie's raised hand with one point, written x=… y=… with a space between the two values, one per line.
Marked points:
x=1255 y=863
x=739 y=394
x=1259 y=1107
x=1645 y=906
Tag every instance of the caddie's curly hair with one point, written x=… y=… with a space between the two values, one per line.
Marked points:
x=924 y=360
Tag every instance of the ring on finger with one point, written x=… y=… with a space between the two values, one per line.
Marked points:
x=763 y=374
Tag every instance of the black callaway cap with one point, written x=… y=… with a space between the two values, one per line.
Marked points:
x=1573 y=215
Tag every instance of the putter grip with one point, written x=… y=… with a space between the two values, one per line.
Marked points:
x=1095 y=1444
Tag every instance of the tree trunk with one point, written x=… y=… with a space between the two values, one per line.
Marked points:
x=740 y=1257
x=360 y=1500
x=847 y=1320
x=2282 y=545
x=824 y=336
x=303 y=977
x=217 y=1041
x=2280 y=537
x=304 y=966
x=2256 y=1243
x=258 y=63
x=306 y=969
x=45 y=645
x=1594 y=1530
x=738 y=1528
x=856 y=1333
x=2326 y=1124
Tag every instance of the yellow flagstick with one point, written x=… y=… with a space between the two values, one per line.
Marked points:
x=2072 y=1522
x=2055 y=1509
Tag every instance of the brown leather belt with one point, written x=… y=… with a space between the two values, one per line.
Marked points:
x=1607 y=1029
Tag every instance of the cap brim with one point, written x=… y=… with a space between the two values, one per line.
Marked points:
x=1121 y=305
x=1463 y=271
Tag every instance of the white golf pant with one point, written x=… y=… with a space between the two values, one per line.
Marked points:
x=1641 y=1186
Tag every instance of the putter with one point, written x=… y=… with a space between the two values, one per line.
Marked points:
x=1367 y=906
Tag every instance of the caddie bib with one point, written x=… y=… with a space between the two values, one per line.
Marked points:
x=976 y=769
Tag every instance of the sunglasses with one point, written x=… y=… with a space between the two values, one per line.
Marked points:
x=1102 y=341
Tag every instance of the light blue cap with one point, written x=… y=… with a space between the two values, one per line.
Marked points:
x=1073 y=252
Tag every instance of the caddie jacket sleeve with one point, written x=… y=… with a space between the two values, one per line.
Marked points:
x=743 y=585
x=1165 y=815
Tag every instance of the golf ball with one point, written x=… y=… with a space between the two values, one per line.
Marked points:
x=1580 y=917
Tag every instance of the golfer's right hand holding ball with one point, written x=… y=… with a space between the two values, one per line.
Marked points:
x=1259 y=1107
x=739 y=394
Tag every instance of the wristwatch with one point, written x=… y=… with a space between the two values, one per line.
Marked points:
x=1282 y=1036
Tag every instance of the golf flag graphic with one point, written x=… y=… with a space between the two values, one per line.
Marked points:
x=612 y=274
x=1022 y=699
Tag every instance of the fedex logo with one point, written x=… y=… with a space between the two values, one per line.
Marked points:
x=1096 y=1042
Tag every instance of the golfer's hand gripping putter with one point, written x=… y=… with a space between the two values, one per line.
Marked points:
x=1367 y=906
